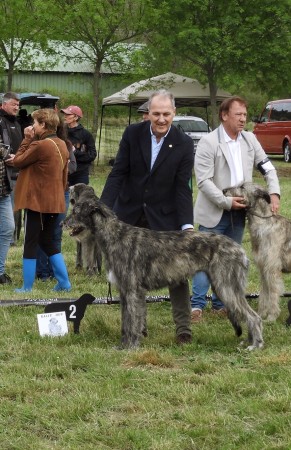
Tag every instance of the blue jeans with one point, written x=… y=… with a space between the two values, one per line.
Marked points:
x=43 y=266
x=6 y=229
x=232 y=224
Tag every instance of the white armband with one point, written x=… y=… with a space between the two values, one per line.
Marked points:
x=265 y=166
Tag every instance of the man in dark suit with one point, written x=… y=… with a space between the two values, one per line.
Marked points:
x=149 y=186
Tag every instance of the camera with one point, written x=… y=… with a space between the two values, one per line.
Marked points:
x=4 y=151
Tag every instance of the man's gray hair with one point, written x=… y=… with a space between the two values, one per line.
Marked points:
x=10 y=96
x=162 y=93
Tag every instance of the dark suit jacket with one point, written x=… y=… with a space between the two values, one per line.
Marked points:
x=163 y=193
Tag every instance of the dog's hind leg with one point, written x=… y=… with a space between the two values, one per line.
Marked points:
x=239 y=310
x=233 y=297
x=98 y=257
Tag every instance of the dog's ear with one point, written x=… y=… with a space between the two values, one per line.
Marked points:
x=96 y=209
x=100 y=208
x=262 y=193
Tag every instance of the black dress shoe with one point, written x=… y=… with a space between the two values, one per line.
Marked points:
x=184 y=338
x=5 y=279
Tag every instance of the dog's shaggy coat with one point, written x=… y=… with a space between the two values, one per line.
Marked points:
x=89 y=256
x=271 y=246
x=138 y=260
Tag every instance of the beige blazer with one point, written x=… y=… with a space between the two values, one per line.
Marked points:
x=212 y=172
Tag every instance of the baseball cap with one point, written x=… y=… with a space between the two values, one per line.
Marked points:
x=73 y=110
x=144 y=107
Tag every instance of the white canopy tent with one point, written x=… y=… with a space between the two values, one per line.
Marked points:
x=186 y=91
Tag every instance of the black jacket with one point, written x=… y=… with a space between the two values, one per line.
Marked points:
x=162 y=193
x=11 y=134
x=85 y=150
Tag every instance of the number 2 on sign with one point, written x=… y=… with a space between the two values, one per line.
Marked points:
x=73 y=310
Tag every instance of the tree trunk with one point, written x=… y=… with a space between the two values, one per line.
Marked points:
x=96 y=96
x=213 y=92
x=9 y=77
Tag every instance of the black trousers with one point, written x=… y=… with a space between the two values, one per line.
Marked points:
x=38 y=229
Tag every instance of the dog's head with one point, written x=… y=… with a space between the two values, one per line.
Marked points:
x=251 y=193
x=86 y=217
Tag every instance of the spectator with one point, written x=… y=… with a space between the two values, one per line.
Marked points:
x=225 y=158
x=6 y=214
x=44 y=268
x=149 y=186
x=24 y=120
x=83 y=141
x=144 y=109
x=11 y=135
x=43 y=162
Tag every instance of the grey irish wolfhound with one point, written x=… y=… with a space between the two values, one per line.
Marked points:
x=139 y=260
x=271 y=245
x=89 y=255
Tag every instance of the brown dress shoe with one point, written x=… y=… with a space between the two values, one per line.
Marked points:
x=184 y=338
x=196 y=316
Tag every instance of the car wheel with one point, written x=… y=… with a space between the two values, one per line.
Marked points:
x=287 y=152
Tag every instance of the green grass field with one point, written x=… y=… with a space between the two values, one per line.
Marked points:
x=79 y=392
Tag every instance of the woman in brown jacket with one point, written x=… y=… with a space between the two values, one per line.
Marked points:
x=43 y=162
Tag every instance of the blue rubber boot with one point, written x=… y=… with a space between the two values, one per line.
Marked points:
x=60 y=272
x=28 y=272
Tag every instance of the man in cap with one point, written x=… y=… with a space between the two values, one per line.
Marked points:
x=144 y=109
x=83 y=141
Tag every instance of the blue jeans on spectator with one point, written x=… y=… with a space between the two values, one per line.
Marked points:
x=6 y=229
x=43 y=266
x=232 y=224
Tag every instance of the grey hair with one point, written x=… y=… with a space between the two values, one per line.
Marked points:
x=162 y=93
x=10 y=96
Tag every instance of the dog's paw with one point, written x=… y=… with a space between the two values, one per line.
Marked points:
x=250 y=348
x=254 y=346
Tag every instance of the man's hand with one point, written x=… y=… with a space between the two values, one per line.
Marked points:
x=238 y=203
x=275 y=203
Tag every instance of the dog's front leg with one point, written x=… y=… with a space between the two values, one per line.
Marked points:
x=132 y=319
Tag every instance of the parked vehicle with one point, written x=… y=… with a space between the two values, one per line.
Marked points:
x=195 y=127
x=33 y=100
x=273 y=128
x=30 y=101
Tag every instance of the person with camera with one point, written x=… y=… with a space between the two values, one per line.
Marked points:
x=6 y=214
x=10 y=139
x=11 y=135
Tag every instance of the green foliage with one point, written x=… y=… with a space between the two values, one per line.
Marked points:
x=23 y=36
x=226 y=43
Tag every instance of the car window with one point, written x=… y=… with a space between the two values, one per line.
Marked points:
x=279 y=113
x=191 y=125
x=265 y=114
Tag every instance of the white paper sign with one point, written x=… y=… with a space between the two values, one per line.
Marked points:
x=52 y=324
